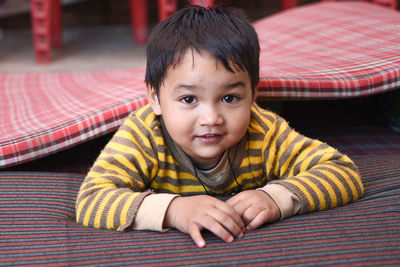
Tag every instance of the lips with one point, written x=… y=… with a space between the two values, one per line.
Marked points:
x=210 y=138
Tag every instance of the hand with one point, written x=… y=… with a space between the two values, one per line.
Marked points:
x=192 y=214
x=255 y=207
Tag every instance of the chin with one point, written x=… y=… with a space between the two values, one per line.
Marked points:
x=209 y=156
x=206 y=154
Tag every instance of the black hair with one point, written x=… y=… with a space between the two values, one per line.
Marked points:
x=226 y=34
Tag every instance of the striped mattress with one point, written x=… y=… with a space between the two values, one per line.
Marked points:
x=37 y=228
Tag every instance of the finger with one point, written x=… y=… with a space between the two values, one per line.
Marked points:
x=196 y=236
x=262 y=217
x=229 y=215
x=217 y=229
x=241 y=206
x=227 y=222
x=250 y=214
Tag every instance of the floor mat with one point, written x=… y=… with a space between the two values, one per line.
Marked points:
x=37 y=227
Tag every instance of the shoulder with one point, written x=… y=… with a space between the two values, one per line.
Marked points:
x=142 y=123
x=144 y=118
x=263 y=120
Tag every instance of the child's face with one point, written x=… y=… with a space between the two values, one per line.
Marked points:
x=205 y=107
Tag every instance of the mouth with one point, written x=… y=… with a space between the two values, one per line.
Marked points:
x=210 y=138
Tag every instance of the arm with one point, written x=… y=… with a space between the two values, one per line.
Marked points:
x=318 y=175
x=115 y=186
x=306 y=175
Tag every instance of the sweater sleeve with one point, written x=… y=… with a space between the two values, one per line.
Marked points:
x=316 y=173
x=287 y=202
x=117 y=183
x=152 y=211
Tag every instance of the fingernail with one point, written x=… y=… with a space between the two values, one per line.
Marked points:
x=230 y=239
x=201 y=243
x=241 y=235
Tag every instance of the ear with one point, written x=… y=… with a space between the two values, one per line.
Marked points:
x=255 y=94
x=153 y=99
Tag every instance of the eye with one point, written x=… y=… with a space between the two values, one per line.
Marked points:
x=189 y=100
x=230 y=99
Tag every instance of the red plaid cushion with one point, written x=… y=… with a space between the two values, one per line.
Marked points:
x=329 y=50
x=42 y=113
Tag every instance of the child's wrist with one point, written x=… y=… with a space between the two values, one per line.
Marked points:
x=169 y=218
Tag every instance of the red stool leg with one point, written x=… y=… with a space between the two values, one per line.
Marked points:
x=166 y=8
x=286 y=4
x=56 y=23
x=139 y=20
x=205 y=3
x=41 y=30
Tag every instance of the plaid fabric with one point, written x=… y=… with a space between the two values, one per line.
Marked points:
x=37 y=227
x=329 y=50
x=42 y=113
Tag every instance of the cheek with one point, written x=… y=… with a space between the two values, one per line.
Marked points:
x=178 y=124
x=239 y=125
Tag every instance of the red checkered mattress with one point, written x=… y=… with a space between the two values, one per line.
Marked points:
x=42 y=113
x=329 y=50
x=324 y=50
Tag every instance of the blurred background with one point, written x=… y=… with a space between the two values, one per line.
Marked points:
x=96 y=34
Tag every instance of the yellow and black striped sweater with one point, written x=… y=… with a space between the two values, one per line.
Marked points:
x=142 y=159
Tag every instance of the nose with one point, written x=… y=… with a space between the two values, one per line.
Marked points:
x=210 y=116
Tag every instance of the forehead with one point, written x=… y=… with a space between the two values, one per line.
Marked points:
x=192 y=63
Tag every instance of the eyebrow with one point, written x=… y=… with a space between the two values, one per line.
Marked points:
x=235 y=84
x=192 y=87
x=185 y=86
x=181 y=87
